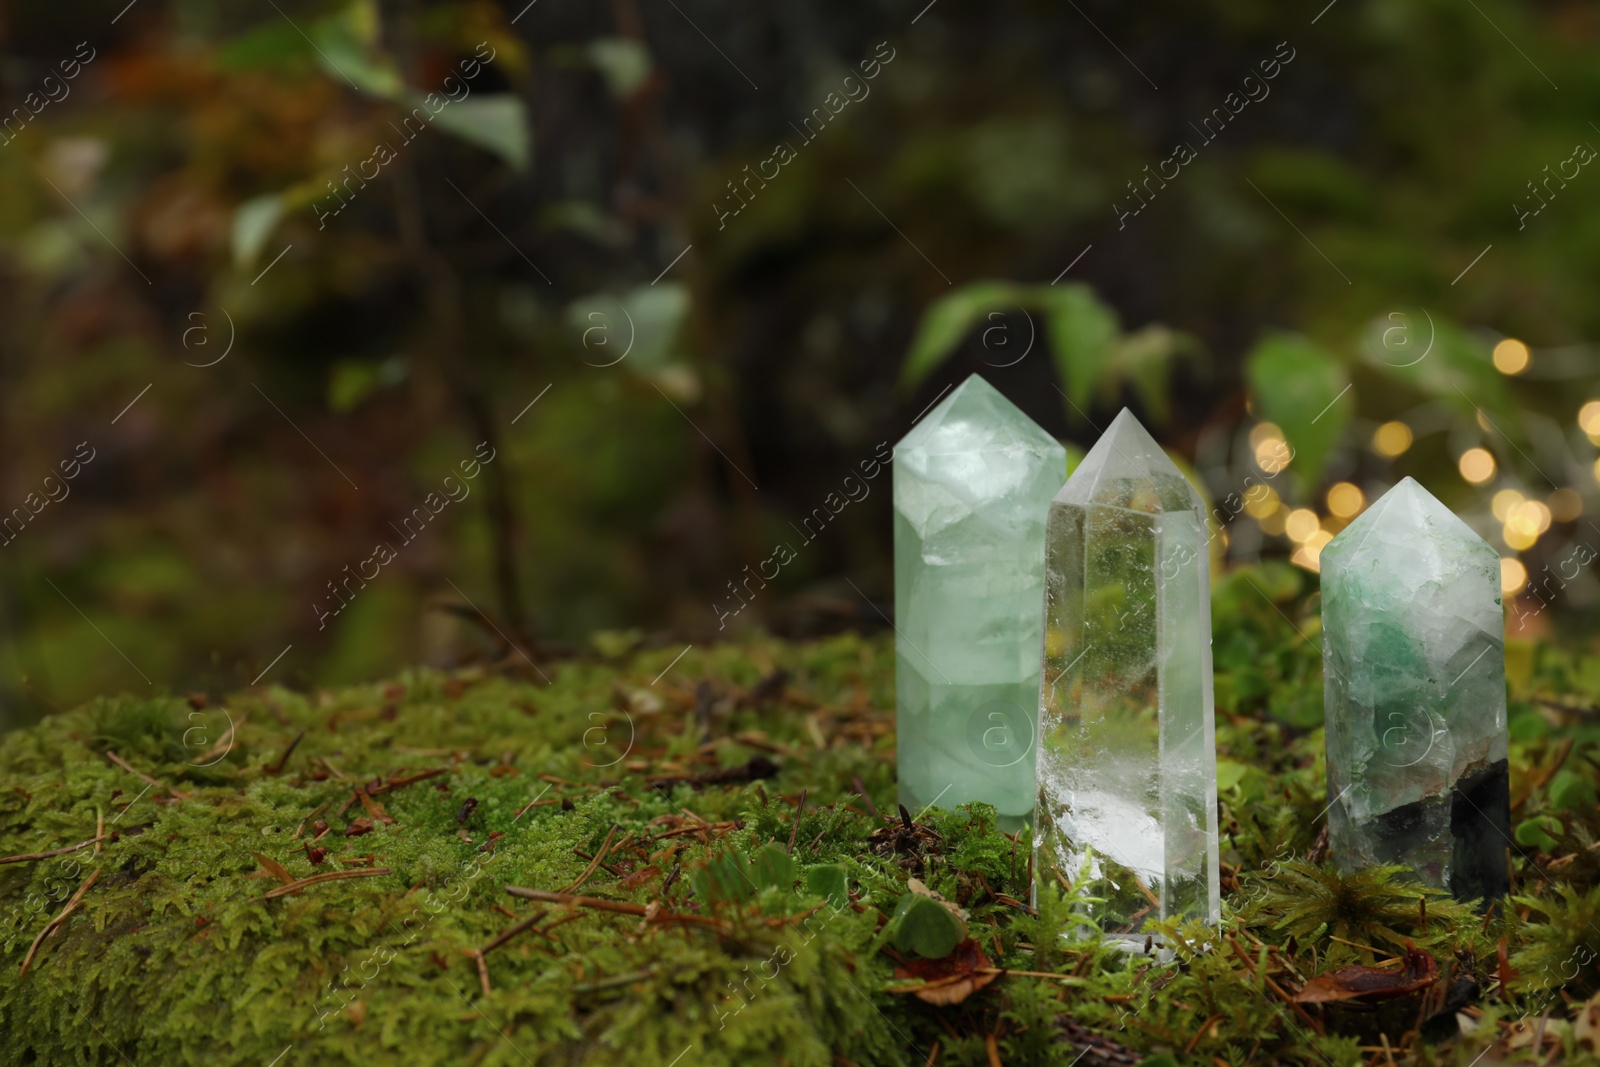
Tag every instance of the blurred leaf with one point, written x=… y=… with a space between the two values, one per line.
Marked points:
x=253 y=222
x=1083 y=335
x=1538 y=832
x=926 y=927
x=268 y=45
x=497 y=122
x=1301 y=387
x=1229 y=774
x=948 y=321
x=348 y=49
x=640 y=326
x=622 y=61
x=773 y=868
x=829 y=881
x=1144 y=358
x=353 y=380
x=1438 y=358
x=1570 y=791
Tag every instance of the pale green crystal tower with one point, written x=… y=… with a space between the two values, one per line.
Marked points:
x=1414 y=677
x=972 y=481
x=1127 y=761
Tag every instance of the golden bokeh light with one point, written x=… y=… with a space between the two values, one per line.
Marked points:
x=1264 y=505
x=1589 y=418
x=1503 y=502
x=1511 y=356
x=1527 y=521
x=1391 y=439
x=1477 y=465
x=1262 y=432
x=1301 y=524
x=1271 y=450
x=1513 y=577
x=1345 y=500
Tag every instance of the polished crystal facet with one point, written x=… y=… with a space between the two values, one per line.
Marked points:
x=972 y=482
x=1127 y=756
x=1413 y=655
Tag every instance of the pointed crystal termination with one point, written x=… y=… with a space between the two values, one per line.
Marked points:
x=972 y=482
x=1127 y=761
x=1414 y=677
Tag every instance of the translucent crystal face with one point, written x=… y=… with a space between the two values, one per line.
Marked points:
x=1127 y=761
x=1414 y=679
x=972 y=482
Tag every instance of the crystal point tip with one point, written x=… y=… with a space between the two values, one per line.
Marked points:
x=1127 y=468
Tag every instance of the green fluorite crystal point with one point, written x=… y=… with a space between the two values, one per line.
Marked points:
x=1127 y=761
x=972 y=481
x=1413 y=652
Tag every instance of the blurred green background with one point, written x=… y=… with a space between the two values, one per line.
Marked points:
x=725 y=254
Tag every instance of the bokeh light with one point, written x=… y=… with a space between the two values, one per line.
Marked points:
x=1477 y=465
x=1301 y=524
x=1503 y=502
x=1511 y=356
x=1391 y=439
x=1272 y=451
x=1345 y=500
x=1513 y=576
x=1264 y=505
x=1589 y=418
x=1566 y=505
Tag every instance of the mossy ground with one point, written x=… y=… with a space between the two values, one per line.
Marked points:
x=175 y=955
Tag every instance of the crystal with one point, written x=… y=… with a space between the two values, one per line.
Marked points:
x=1127 y=765
x=972 y=481
x=1414 y=678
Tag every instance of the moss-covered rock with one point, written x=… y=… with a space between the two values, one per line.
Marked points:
x=654 y=786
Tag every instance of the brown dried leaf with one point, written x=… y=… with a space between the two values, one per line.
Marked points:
x=949 y=980
x=374 y=808
x=358 y=827
x=1418 y=971
x=274 y=868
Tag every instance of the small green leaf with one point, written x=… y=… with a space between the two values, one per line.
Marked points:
x=1538 y=832
x=1083 y=335
x=349 y=47
x=641 y=326
x=1571 y=791
x=947 y=322
x=1302 y=388
x=926 y=927
x=829 y=880
x=1229 y=774
x=253 y=222
x=774 y=868
x=622 y=61
x=497 y=122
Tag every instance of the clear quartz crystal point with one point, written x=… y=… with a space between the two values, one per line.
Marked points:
x=1127 y=761
x=972 y=481
x=1414 y=678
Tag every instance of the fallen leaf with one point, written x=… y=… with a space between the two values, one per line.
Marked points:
x=1418 y=971
x=374 y=808
x=274 y=868
x=949 y=980
x=358 y=827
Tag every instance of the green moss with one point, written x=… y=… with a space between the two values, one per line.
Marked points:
x=176 y=957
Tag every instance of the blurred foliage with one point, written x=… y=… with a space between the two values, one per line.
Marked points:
x=709 y=344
